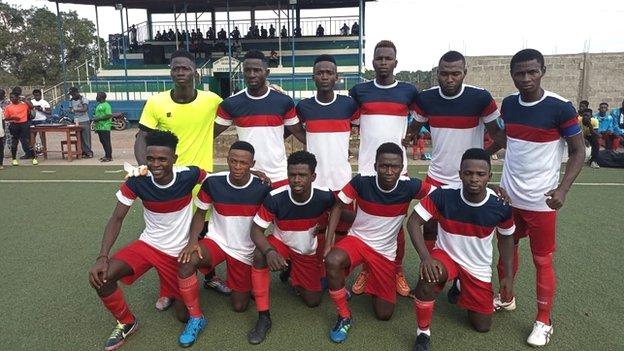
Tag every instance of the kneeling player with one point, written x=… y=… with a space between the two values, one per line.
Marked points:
x=382 y=202
x=235 y=197
x=467 y=219
x=295 y=210
x=166 y=193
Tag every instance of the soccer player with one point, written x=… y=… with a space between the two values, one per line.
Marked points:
x=382 y=202
x=327 y=117
x=235 y=196
x=384 y=107
x=166 y=193
x=536 y=124
x=189 y=114
x=260 y=114
x=295 y=211
x=467 y=218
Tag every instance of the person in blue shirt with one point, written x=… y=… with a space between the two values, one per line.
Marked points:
x=608 y=129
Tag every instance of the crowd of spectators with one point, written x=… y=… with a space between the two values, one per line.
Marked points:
x=604 y=128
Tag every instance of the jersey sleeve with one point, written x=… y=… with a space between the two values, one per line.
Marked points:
x=568 y=121
x=148 y=116
x=349 y=192
x=298 y=112
x=429 y=207
x=203 y=199
x=490 y=111
x=421 y=189
x=417 y=110
x=266 y=212
x=506 y=225
x=223 y=116
x=290 y=117
x=127 y=192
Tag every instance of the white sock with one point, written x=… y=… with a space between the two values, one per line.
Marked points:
x=420 y=331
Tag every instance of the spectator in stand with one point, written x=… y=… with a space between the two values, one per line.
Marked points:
x=263 y=33
x=102 y=118
x=235 y=34
x=237 y=48
x=589 y=127
x=17 y=113
x=170 y=35
x=320 y=31
x=256 y=32
x=618 y=119
x=79 y=105
x=344 y=30
x=273 y=59
x=222 y=35
x=608 y=129
x=355 y=29
x=158 y=36
x=583 y=105
x=271 y=32
x=133 y=36
x=297 y=32
x=284 y=32
x=193 y=36
x=200 y=36
x=210 y=34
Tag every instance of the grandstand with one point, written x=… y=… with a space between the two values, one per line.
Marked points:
x=137 y=63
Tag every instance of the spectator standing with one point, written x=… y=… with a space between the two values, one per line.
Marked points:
x=17 y=113
x=618 y=120
x=222 y=35
x=210 y=34
x=344 y=30
x=263 y=32
x=133 y=36
x=320 y=31
x=284 y=32
x=80 y=107
x=298 y=32
x=102 y=118
x=41 y=108
x=271 y=32
x=355 y=29
x=235 y=34
x=589 y=127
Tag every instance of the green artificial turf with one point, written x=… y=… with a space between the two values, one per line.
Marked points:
x=51 y=234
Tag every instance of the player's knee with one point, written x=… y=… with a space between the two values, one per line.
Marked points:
x=313 y=300
x=482 y=326
x=187 y=269
x=334 y=261
x=425 y=290
x=240 y=306
x=384 y=315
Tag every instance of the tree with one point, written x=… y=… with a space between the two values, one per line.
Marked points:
x=30 y=48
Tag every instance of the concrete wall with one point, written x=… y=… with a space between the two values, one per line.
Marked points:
x=594 y=77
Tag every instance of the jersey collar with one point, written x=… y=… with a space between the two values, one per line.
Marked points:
x=326 y=103
x=396 y=82
x=461 y=91
x=474 y=204
x=386 y=191
x=301 y=203
x=529 y=104
x=257 y=97
x=175 y=175
x=227 y=177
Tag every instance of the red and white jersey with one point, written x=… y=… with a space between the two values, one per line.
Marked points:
x=233 y=210
x=466 y=229
x=295 y=222
x=260 y=121
x=167 y=209
x=535 y=147
x=380 y=213
x=328 y=128
x=383 y=118
x=456 y=125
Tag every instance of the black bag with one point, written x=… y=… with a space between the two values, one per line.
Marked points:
x=610 y=159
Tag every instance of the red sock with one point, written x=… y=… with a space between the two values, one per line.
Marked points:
x=430 y=245
x=424 y=312
x=116 y=304
x=400 y=253
x=189 y=290
x=340 y=300
x=546 y=283
x=501 y=272
x=260 y=281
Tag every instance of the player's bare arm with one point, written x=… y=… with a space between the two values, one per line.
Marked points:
x=412 y=132
x=429 y=269
x=197 y=225
x=576 y=156
x=218 y=129
x=274 y=260
x=298 y=132
x=506 y=251
x=99 y=270
x=140 y=147
x=498 y=135
x=334 y=218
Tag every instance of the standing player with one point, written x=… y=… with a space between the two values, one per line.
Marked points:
x=536 y=124
x=189 y=114
x=260 y=114
x=166 y=194
x=327 y=117
x=382 y=201
x=235 y=197
x=295 y=211
x=467 y=218
x=384 y=107
x=456 y=114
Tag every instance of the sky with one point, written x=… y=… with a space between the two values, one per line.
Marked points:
x=424 y=30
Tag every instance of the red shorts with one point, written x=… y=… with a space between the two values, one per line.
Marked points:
x=382 y=272
x=475 y=295
x=433 y=182
x=540 y=227
x=238 y=273
x=141 y=257
x=279 y=183
x=305 y=271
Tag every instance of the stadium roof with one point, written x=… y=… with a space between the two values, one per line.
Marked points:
x=166 y=6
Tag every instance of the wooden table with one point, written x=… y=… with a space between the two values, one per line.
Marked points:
x=58 y=128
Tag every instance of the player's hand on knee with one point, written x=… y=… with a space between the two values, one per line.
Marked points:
x=430 y=270
x=187 y=252
x=98 y=272
x=275 y=261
